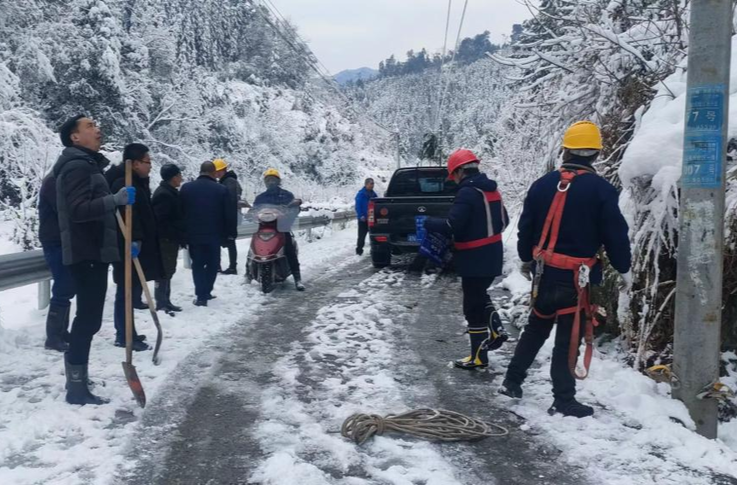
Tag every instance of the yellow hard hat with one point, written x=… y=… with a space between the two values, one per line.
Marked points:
x=583 y=135
x=272 y=172
x=220 y=164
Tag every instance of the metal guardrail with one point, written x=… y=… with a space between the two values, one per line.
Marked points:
x=27 y=268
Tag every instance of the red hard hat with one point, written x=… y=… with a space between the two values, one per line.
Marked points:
x=458 y=159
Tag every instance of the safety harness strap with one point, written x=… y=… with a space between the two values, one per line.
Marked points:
x=492 y=238
x=549 y=257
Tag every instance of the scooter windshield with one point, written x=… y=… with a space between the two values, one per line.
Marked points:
x=284 y=216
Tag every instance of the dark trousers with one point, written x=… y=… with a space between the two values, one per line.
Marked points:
x=119 y=312
x=205 y=267
x=290 y=250
x=232 y=254
x=62 y=291
x=363 y=230
x=552 y=297
x=90 y=281
x=477 y=306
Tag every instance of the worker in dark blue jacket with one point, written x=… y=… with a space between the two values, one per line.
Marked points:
x=210 y=223
x=562 y=241
x=363 y=197
x=476 y=221
x=276 y=196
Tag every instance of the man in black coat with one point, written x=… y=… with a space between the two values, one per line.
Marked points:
x=229 y=179
x=210 y=223
x=172 y=232
x=144 y=235
x=86 y=210
x=62 y=292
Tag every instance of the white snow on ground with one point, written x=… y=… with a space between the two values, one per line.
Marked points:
x=636 y=435
x=349 y=352
x=45 y=440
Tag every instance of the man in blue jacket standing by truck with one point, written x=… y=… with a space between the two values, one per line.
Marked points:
x=568 y=215
x=476 y=221
x=363 y=197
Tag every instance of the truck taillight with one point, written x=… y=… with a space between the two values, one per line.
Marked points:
x=371 y=214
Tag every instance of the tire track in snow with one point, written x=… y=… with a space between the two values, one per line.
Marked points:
x=347 y=364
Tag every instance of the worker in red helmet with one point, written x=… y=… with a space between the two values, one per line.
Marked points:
x=476 y=222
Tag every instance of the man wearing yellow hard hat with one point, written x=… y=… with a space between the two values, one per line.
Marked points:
x=275 y=195
x=568 y=216
x=229 y=180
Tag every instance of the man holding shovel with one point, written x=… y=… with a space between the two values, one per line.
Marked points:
x=145 y=238
x=86 y=211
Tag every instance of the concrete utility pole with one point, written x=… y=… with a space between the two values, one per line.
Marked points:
x=701 y=238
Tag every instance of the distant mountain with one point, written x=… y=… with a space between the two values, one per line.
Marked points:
x=363 y=73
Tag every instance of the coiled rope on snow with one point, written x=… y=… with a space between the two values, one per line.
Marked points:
x=428 y=424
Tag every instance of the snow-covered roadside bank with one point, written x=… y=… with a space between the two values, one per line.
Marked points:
x=639 y=435
x=44 y=440
x=344 y=367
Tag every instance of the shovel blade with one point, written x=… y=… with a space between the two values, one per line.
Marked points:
x=134 y=383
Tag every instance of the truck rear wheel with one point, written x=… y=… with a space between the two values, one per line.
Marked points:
x=381 y=257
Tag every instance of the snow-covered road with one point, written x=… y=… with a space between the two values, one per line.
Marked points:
x=253 y=389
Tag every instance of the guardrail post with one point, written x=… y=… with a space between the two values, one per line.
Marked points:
x=187 y=260
x=309 y=234
x=44 y=294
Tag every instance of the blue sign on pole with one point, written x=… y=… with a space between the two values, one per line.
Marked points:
x=702 y=154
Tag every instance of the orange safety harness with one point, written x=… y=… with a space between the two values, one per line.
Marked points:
x=489 y=198
x=581 y=267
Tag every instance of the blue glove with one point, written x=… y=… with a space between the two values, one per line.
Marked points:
x=125 y=196
x=135 y=249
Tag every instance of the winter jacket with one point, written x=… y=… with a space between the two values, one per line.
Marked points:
x=48 y=218
x=591 y=219
x=230 y=182
x=208 y=214
x=86 y=207
x=467 y=221
x=144 y=228
x=276 y=196
x=167 y=206
x=363 y=197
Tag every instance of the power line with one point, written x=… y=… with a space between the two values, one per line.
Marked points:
x=452 y=62
x=442 y=62
x=313 y=61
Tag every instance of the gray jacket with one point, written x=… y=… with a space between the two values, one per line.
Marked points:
x=86 y=208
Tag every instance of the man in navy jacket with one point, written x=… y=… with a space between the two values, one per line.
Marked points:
x=363 y=197
x=210 y=223
x=476 y=222
x=590 y=219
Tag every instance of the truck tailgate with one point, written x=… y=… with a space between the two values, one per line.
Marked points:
x=396 y=216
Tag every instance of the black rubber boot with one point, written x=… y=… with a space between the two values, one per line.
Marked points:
x=56 y=325
x=138 y=345
x=78 y=391
x=511 y=389
x=160 y=295
x=571 y=408
x=498 y=334
x=478 y=358
x=230 y=271
x=169 y=305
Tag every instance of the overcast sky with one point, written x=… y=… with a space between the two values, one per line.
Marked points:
x=347 y=34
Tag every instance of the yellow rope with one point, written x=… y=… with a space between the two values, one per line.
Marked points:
x=428 y=424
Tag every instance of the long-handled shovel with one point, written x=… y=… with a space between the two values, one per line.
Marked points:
x=130 y=372
x=149 y=300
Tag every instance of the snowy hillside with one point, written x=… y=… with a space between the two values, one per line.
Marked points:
x=193 y=80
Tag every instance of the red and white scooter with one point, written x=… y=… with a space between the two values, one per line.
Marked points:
x=267 y=260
